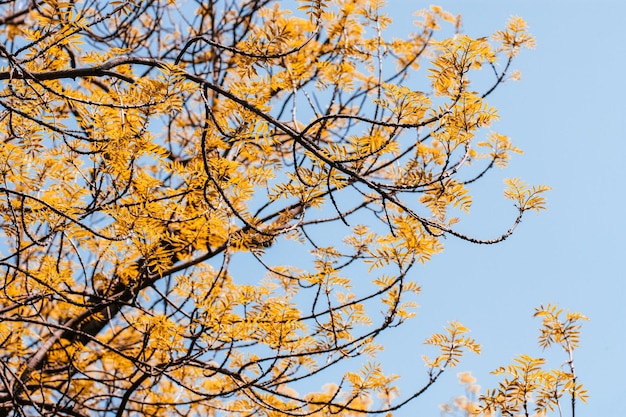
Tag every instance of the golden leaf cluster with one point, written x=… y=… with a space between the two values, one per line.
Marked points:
x=527 y=388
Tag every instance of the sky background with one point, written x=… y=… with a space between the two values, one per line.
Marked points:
x=568 y=115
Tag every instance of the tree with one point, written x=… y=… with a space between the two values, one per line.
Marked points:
x=157 y=155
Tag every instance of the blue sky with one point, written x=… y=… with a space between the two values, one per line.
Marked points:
x=569 y=117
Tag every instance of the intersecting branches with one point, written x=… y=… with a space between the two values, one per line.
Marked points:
x=151 y=150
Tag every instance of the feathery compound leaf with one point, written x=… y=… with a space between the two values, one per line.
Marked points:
x=525 y=198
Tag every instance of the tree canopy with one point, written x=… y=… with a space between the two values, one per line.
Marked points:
x=208 y=204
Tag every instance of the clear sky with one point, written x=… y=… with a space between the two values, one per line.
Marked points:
x=568 y=115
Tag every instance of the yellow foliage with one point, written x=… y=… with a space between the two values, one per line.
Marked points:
x=203 y=208
x=526 y=385
x=525 y=198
